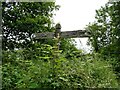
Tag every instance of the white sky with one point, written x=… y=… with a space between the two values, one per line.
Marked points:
x=76 y=14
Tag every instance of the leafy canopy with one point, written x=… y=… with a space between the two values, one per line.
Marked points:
x=20 y=20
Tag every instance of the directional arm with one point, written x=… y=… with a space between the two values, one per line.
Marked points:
x=66 y=34
x=75 y=34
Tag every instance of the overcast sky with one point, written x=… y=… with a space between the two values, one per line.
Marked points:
x=76 y=14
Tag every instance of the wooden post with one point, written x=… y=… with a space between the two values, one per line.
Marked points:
x=57 y=34
x=56 y=47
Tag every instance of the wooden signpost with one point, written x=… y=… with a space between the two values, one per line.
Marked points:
x=57 y=35
x=66 y=34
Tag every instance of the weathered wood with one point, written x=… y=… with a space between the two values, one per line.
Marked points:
x=44 y=35
x=66 y=34
x=74 y=34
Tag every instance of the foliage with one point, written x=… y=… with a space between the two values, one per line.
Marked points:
x=38 y=51
x=21 y=19
x=74 y=73
x=39 y=64
x=105 y=32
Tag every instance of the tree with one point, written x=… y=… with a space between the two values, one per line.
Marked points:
x=21 y=20
x=105 y=32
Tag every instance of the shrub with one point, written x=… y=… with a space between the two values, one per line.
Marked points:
x=92 y=74
x=64 y=73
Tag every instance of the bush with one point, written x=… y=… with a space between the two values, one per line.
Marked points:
x=95 y=74
x=64 y=73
